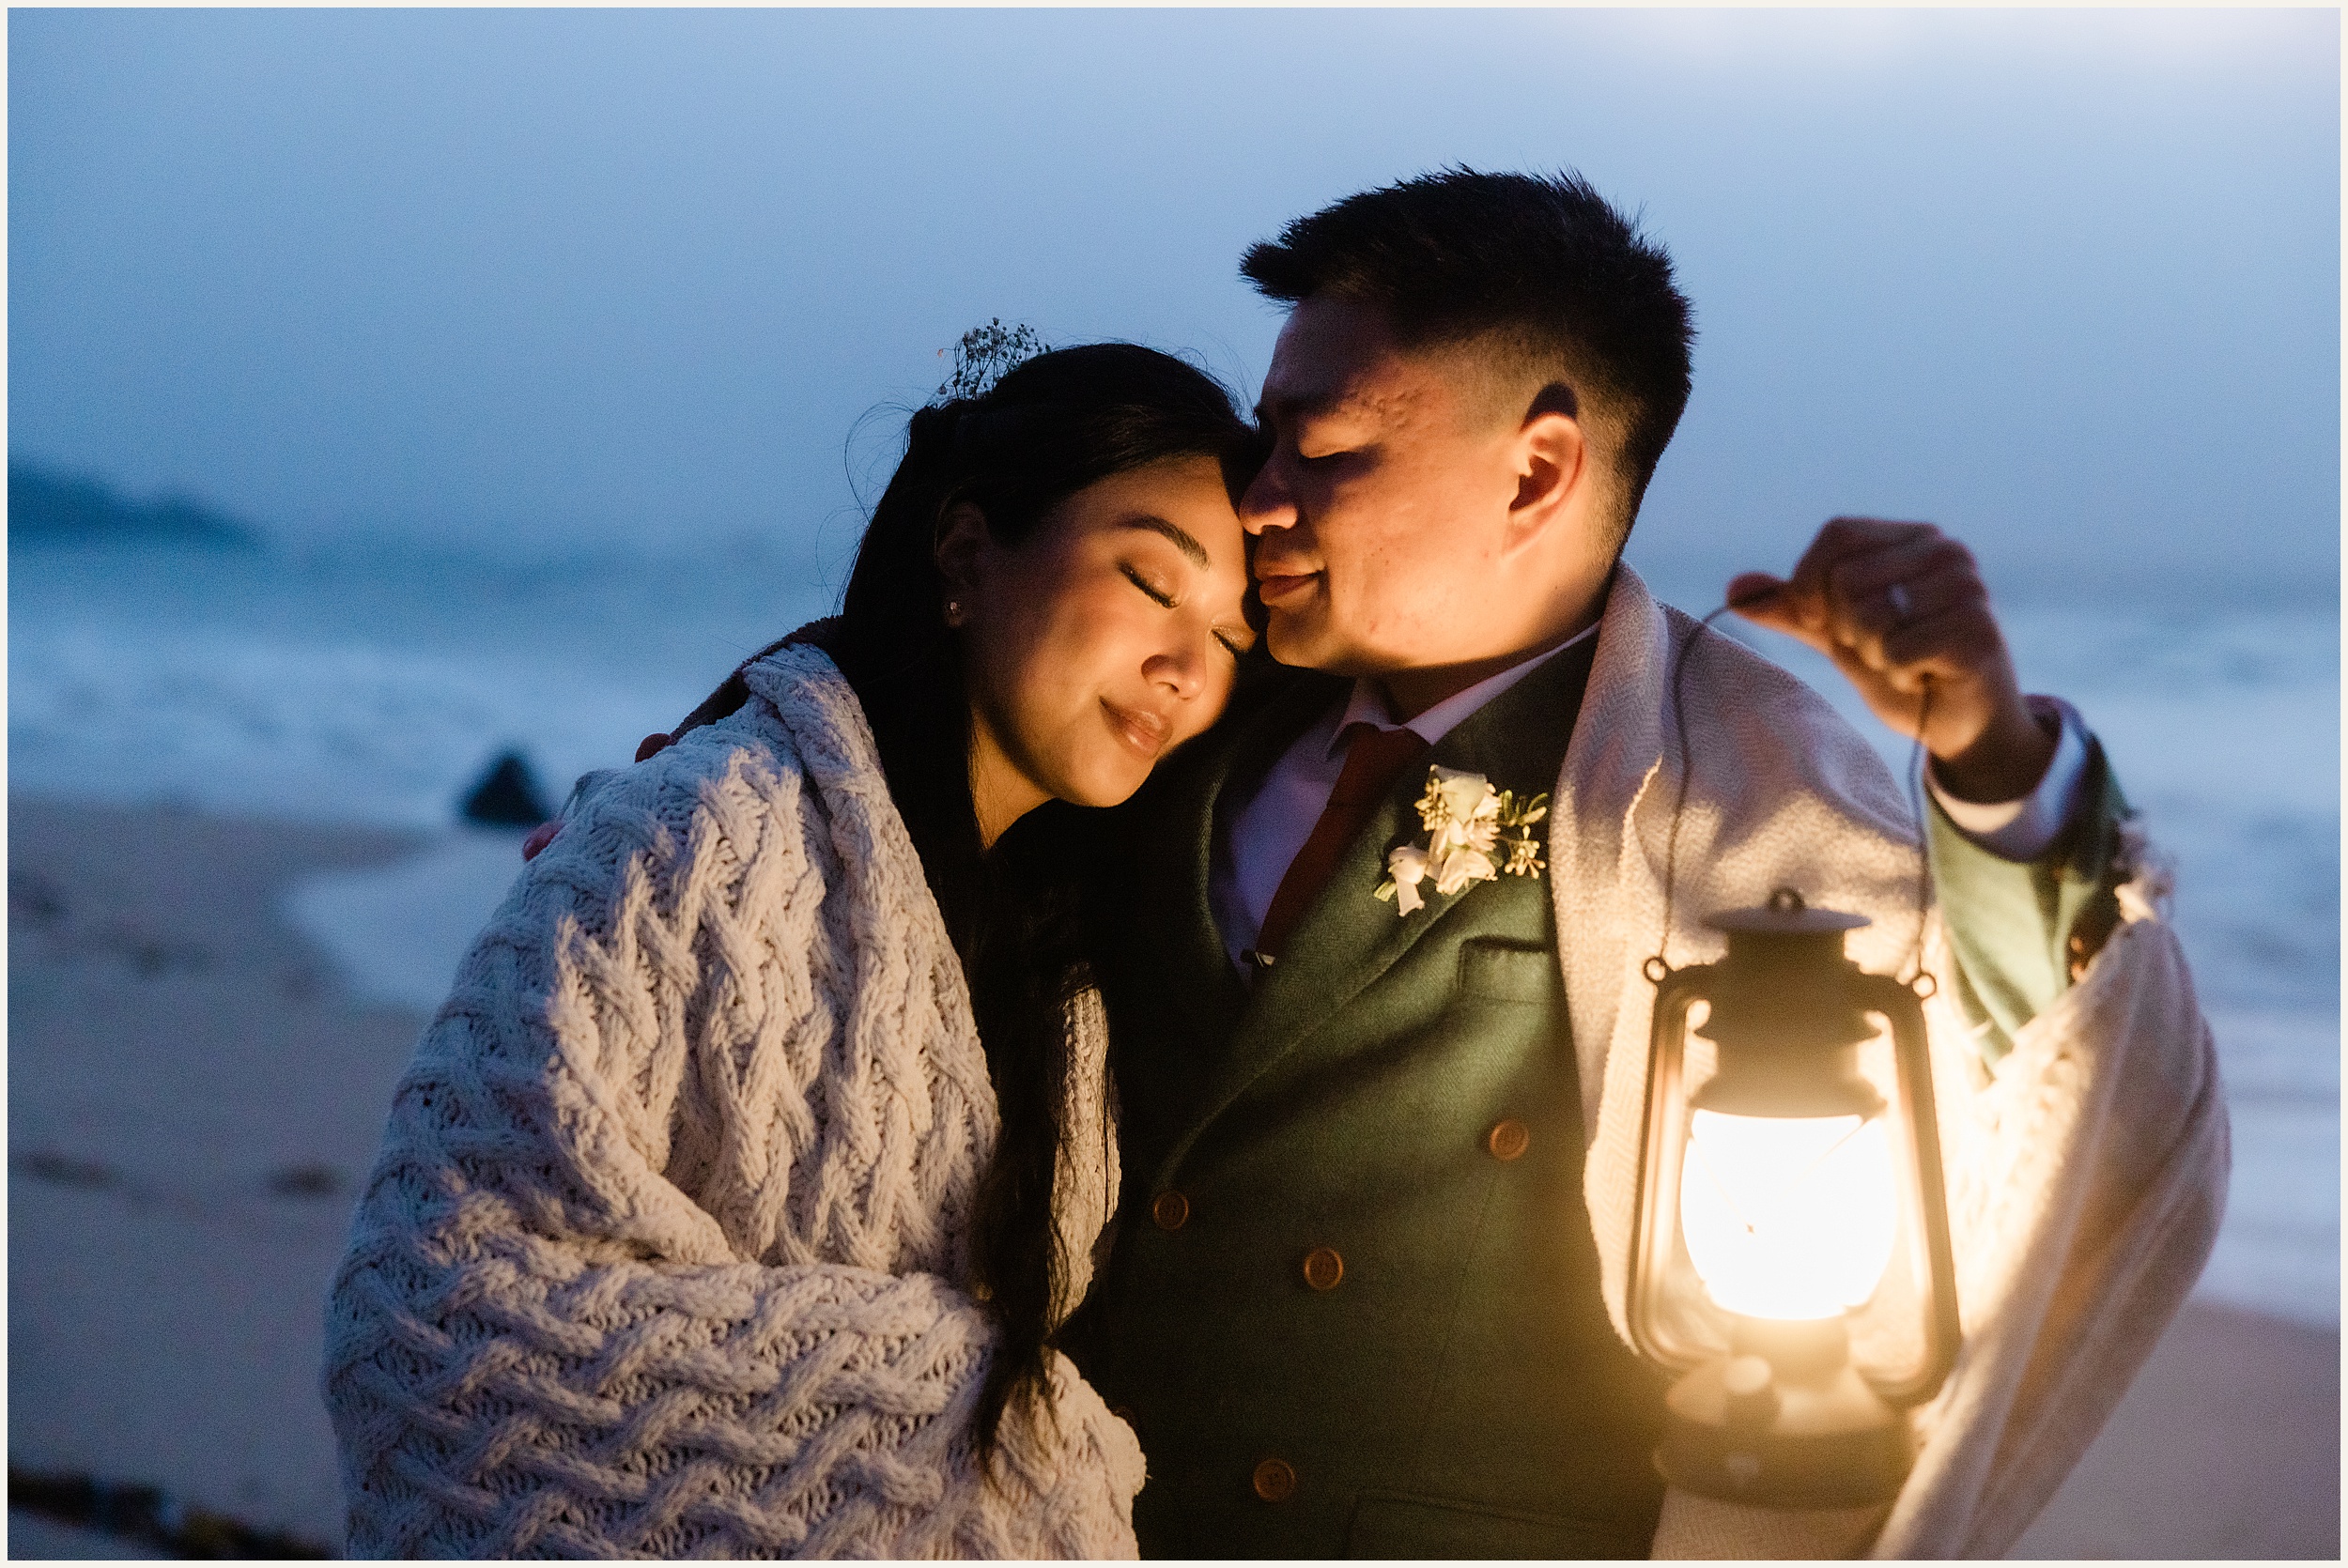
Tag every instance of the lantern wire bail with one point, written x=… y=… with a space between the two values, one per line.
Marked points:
x=1657 y=966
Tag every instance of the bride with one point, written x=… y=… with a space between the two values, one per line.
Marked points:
x=732 y=1199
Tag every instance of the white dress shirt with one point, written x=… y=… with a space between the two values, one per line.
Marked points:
x=1252 y=852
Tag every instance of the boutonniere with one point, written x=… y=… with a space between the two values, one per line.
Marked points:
x=1468 y=824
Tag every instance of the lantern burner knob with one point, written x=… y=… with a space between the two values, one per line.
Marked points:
x=1786 y=914
x=1749 y=1384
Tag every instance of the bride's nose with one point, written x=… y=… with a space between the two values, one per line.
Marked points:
x=1179 y=666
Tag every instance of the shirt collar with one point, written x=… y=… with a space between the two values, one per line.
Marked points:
x=1368 y=703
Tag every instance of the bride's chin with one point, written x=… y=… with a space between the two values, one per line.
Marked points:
x=1110 y=781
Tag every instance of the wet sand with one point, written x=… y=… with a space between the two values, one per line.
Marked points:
x=191 y=1101
x=194 y=1091
x=2227 y=1446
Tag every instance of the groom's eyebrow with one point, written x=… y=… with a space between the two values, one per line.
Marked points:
x=1291 y=406
x=1178 y=536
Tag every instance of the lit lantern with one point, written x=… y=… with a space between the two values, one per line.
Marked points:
x=1792 y=1254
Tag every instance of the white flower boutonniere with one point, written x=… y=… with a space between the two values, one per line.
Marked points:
x=1474 y=833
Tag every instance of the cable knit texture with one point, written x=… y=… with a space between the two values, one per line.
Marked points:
x=2085 y=1178
x=664 y=1255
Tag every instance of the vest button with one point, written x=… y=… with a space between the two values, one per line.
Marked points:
x=1323 y=1268
x=1508 y=1139
x=1171 y=1210
x=1275 y=1480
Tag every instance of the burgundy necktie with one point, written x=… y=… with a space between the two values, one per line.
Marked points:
x=1376 y=758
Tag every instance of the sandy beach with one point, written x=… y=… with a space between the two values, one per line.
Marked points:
x=192 y=1098
x=195 y=1087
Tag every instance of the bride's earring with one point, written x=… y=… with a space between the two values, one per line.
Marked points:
x=953 y=613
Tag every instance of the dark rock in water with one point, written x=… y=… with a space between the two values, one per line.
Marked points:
x=306 y=1181
x=150 y=1515
x=34 y=901
x=50 y=506
x=64 y=1170
x=507 y=796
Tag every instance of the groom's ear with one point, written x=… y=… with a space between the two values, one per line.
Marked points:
x=1553 y=457
x=961 y=533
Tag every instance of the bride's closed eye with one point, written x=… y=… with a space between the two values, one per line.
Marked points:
x=1160 y=594
x=1232 y=645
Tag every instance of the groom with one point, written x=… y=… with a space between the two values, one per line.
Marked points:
x=1355 y=1305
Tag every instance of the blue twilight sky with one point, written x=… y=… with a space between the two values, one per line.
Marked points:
x=2066 y=282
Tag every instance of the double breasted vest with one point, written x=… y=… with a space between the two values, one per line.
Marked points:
x=1353 y=1306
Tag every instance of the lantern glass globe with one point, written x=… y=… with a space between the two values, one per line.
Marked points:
x=1788 y=1217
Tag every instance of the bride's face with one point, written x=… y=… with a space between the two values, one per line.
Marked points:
x=1103 y=640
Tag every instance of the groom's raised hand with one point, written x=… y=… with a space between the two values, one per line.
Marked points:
x=1896 y=605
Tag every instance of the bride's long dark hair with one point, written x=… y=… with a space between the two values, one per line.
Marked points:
x=1052 y=426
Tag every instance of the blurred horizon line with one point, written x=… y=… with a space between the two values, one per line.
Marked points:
x=174 y=517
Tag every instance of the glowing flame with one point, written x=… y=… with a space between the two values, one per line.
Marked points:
x=1788 y=1217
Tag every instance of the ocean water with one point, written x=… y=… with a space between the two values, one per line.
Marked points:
x=374 y=685
x=368 y=685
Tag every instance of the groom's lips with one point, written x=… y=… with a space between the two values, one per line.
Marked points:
x=1276 y=587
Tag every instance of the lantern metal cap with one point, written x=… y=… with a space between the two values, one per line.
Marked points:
x=1786 y=914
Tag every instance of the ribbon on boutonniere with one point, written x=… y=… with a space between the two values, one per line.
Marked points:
x=1474 y=833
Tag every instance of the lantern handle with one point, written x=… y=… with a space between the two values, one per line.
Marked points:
x=1687 y=769
x=1902 y=1006
x=1912 y=781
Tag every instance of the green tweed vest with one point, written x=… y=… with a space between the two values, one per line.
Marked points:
x=1353 y=1307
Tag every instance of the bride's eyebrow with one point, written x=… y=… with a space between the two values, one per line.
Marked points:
x=1179 y=537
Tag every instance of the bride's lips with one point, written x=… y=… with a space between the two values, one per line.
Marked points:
x=1274 y=587
x=1138 y=728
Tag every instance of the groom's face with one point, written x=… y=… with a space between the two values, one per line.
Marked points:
x=1382 y=511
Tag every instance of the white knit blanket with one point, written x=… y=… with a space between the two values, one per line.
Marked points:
x=664 y=1255
x=2086 y=1178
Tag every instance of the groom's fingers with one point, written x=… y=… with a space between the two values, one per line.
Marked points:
x=1804 y=606
x=1864 y=577
x=1946 y=645
x=1926 y=553
x=1871 y=621
x=540 y=836
x=1748 y=593
x=1778 y=604
x=1863 y=580
x=1894 y=603
x=1845 y=543
x=1845 y=539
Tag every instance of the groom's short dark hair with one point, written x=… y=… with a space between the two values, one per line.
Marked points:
x=1539 y=266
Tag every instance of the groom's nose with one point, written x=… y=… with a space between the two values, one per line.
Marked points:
x=1268 y=501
